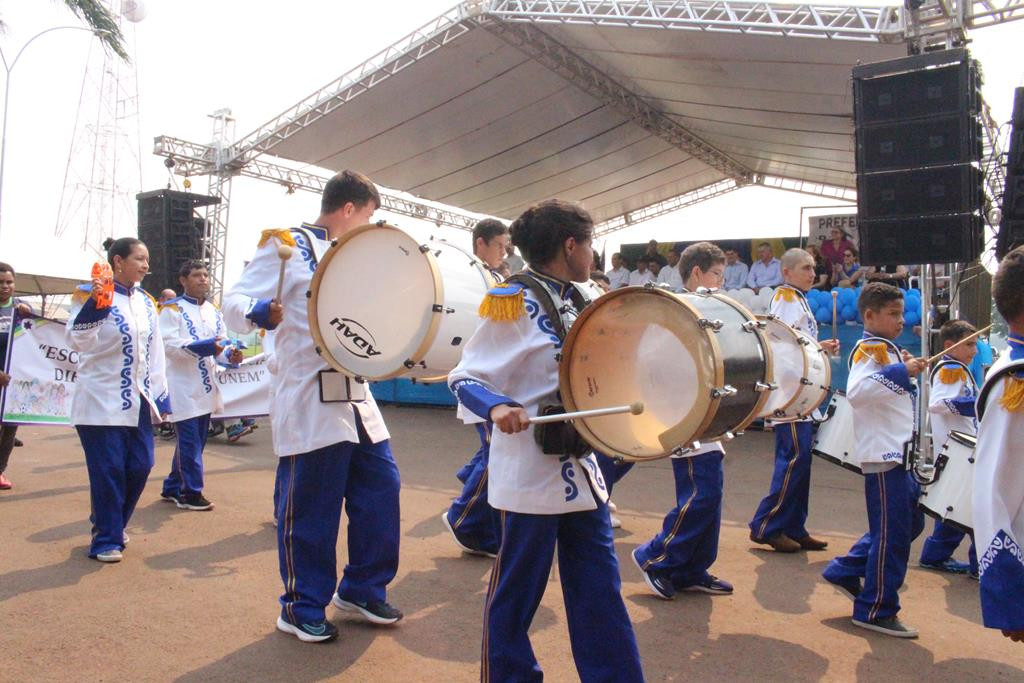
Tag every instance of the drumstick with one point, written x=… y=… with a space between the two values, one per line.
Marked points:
x=284 y=252
x=966 y=339
x=632 y=408
x=835 y=295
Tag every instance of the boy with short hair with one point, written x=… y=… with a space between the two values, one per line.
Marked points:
x=780 y=518
x=951 y=405
x=882 y=397
x=998 y=500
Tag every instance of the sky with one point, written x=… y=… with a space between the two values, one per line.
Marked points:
x=257 y=58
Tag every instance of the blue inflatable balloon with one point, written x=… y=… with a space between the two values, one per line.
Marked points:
x=823 y=315
x=849 y=313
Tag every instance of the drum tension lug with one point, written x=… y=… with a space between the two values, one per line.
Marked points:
x=723 y=391
x=438 y=308
x=715 y=325
x=765 y=386
x=806 y=382
x=424 y=249
x=334 y=242
x=558 y=358
x=309 y=294
x=728 y=436
x=803 y=340
x=408 y=363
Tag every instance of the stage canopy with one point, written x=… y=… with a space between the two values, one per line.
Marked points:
x=619 y=105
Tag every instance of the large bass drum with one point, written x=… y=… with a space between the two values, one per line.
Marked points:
x=948 y=497
x=698 y=362
x=383 y=305
x=801 y=369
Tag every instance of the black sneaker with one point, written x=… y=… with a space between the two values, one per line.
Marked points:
x=377 y=612
x=712 y=585
x=171 y=498
x=851 y=587
x=194 y=501
x=464 y=544
x=890 y=626
x=310 y=632
x=659 y=586
x=949 y=566
x=18 y=443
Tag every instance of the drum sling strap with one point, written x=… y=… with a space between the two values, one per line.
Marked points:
x=555 y=438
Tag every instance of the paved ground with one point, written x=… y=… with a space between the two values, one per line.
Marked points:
x=195 y=598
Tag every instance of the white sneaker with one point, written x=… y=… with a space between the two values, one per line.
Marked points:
x=110 y=556
x=612 y=507
x=616 y=522
x=124 y=539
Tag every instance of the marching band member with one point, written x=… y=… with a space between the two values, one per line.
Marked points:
x=882 y=398
x=507 y=373
x=782 y=514
x=195 y=340
x=474 y=525
x=951 y=406
x=330 y=451
x=679 y=556
x=120 y=392
x=998 y=500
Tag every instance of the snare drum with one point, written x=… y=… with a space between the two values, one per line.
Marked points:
x=948 y=498
x=801 y=369
x=382 y=305
x=698 y=362
x=834 y=440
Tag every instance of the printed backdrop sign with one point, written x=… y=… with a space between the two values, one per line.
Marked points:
x=44 y=371
x=819 y=228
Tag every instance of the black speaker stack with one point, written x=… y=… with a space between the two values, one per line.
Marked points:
x=918 y=158
x=1011 y=228
x=173 y=232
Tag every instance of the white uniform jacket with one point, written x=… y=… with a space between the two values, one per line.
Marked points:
x=121 y=358
x=882 y=398
x=300 y=422
x=951 y=400
x=790 y=306
x=190 y=330
x=514 y=362
x=998 y=496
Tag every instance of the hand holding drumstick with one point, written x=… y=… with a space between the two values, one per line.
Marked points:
x=276 y=311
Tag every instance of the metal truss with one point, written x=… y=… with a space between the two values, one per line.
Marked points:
x=580 y=73
x=845 y=194
x=196 y=159
x=944 y=23
x=983 y=13
x=879 y=24
x=406 y=52
x=697 y=196
x=216 y=238
x=993 y=167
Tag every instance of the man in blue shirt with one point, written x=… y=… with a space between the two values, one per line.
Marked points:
x=767 y=271
x=736 y=271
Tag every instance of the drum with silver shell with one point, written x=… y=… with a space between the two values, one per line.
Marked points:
x=383 y=305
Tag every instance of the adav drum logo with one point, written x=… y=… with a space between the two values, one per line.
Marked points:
x=355 y=338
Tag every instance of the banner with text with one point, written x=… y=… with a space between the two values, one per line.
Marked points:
x=44 y=370
x=819 y=228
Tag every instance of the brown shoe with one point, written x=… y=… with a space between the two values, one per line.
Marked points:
x=811 y=543
x=781 y=543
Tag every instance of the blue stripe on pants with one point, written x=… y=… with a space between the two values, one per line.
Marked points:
x=186 y=474
x=312 y=487
x=943 y=542
x=470 y=514
x=687 y=544
x=118 y=460
x=603 y=644
x=880 y=556
x=784 y=509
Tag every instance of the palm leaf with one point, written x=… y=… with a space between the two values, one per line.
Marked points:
x=96 y=15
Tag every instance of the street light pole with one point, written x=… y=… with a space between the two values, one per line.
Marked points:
x=7 y=91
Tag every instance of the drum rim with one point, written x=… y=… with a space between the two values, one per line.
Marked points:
x=963 y=438
x=796 y=333
x=314 y=290
x=565 y=386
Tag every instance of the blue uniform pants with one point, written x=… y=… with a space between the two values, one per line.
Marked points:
x=611 y=469
x=186 y=474
x=943 y=542
x=470 y=514
x=784 y=509
x=119 y=460
x=687 y=544
x=880 y=556
x=600 y=632
x=311 y=489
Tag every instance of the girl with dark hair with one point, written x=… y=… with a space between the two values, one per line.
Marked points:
x=120 y=393
x=547 y=500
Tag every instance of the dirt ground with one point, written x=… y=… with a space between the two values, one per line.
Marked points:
x=195 y=597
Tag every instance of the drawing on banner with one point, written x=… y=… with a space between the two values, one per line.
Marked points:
x=819 y=228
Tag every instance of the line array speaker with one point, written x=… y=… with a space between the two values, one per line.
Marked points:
x=173 y=233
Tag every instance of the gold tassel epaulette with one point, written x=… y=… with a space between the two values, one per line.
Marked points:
x=505 y=303
x=878 y=352
x=1013 y=394
x=284 y=236
x=951 y=374
x=787 y=294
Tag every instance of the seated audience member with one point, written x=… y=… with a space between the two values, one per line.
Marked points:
x=618 y=276
x=669 y=275
x=652 y=254
x=832 y=249
x=641 y=275
x=894 y=275
x=654 y=267
x=850 y=272
x=166 y=296
x=766 y=271
x=736 y=271
x=822 y=277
